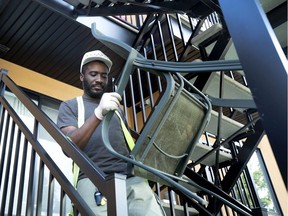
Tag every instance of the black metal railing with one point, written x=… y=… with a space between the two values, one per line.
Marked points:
x=137 y=21
x=24 y=162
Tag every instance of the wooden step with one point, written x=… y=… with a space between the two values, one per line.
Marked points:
x=231 y=89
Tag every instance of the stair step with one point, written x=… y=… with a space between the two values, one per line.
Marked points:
x=231 y=88
x=228 y=125
x=207 y=34
x=201 y=149
x=179 y=210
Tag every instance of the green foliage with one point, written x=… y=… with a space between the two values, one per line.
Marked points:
x=262 y=188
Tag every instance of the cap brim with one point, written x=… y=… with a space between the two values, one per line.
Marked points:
x=107 y=62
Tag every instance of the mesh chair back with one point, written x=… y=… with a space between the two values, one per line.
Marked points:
x=174 y=129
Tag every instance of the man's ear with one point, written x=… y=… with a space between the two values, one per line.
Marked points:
x=81 y=77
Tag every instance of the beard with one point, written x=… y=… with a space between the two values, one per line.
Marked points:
x=94 y=94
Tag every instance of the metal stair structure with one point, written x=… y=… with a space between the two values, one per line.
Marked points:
x=240 y=99
x=235 y=127
x=135 y=59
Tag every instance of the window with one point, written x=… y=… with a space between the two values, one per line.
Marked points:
x=262 y=183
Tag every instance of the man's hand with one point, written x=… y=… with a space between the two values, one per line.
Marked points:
x=108 y=102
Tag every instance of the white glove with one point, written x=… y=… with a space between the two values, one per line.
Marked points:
x=108 y=102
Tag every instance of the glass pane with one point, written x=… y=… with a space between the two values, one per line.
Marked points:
x=55 y=152
x=262 y=183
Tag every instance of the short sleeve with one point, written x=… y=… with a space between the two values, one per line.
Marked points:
x=67 y=115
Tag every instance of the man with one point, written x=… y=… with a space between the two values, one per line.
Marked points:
x=94 y=71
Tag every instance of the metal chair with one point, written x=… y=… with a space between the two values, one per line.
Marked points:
x=173 y=129
x=162 y=150
x=177 y=122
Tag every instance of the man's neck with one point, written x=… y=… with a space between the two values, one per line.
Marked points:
x=91 y=98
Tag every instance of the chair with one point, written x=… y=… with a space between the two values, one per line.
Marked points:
x=173 y=129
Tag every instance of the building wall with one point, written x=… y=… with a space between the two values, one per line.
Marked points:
x=274 y=174
x=44 y=85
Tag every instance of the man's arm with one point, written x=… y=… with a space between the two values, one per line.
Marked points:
x=80 y=136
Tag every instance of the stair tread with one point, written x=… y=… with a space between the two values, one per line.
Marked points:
x=202 y=149
x=229 y=126
x=178 y=209
x=231 y=89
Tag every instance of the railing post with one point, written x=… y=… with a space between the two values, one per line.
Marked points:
x=2 y=84
x=116 y=195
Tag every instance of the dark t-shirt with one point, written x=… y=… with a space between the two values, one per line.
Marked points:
x=95 y=149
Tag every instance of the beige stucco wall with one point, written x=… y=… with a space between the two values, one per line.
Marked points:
x=39 y=83
x=274 y=174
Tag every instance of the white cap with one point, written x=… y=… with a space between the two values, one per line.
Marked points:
x=95 y=55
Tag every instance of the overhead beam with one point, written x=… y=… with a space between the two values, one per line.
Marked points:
x=106 y=25
x=59 y=6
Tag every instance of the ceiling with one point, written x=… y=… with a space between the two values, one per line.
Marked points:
x=35 y=36
x=47 y=42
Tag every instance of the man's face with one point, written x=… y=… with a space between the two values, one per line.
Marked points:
x=95 y=79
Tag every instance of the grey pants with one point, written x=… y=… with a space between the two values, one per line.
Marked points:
x=141 y=199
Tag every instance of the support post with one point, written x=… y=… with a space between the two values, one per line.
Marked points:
x=116 y=195
x=265 y=67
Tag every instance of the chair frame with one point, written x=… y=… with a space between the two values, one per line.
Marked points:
x=135 y=59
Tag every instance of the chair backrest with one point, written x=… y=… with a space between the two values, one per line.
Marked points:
x=172 y=130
